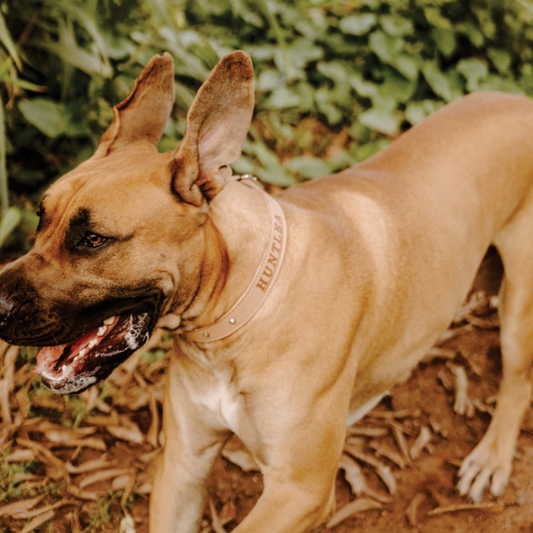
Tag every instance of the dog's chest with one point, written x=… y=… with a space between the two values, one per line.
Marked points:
x=220 y=397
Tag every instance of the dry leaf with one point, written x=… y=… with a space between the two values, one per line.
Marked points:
x=145 y=488
x=421 y=442
x=242 y=458
x=153 y=432
x=23 y=476
x=357 y=506
x=353 y=474
x=450 y=334
x=128 y=489
x=498 y=507
x=37 y=512
x=367 y=432
x=61 y=438
x=403 y=413
x=19 y=456
x=227 y=513
x=127 y=525
x=19 y=507
x=44 y=454
x=131 y=434
x=437 y=352
x=37 y=521
x=412 y=509
x=103 y=475
x=93 y=464
x=463 y=405
x=383 y=450
x=215 y=521
x=85 y=494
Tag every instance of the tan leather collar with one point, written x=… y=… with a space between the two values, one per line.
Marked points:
x=263 y=280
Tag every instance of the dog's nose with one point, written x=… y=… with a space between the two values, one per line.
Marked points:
x=6 y=307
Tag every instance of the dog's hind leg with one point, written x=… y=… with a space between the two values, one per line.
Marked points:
x=491 y=461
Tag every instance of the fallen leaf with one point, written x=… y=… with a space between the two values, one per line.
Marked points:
x=93 y=464
x=103 y=475
x=420 y=443
x=127 y=524
x=357 y=506
x=353 y=474
x=215 y=521
x=131 y=434
x=65 y=439
x=85 y=494
x=44 y=454
x=412 y=509
x=37 y=512
x=37 y=521
x=242 y=458
x=467 y=507
x=367 y=432
x=128 y=489
x=19 y=507
x=20 y=455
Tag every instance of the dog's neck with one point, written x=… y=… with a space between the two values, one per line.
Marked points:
x=236 y=235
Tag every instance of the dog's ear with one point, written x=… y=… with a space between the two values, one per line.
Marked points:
x=140 y=119
x=217 y=124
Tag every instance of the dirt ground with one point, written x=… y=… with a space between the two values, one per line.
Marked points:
x=402 y=459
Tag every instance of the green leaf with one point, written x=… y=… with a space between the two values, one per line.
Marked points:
x=10 y=221
x=282 y=98
x=434 y=17
x=495 y=83
x=5 y=39
x=407 y=66
x=438 y=82
x=358 y=24
x=473 y=33
x=363 y=87
x=385 y=47
x=380 y=120
x=417 y=111
x=396 y=26
x=308 y=167
x=46 y=115
x=474 y=71
x=500 y=59
x=445 y=41
x=323 y=98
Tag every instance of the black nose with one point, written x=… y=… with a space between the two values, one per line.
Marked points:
x=6 y=307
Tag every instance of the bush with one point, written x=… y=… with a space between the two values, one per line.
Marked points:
x=336 y=81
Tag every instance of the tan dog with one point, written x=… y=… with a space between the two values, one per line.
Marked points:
x=378 y=259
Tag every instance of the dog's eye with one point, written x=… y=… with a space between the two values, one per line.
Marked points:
x=92 y=240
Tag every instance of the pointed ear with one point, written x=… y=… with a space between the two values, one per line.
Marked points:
x=217 y=124
x=140 y=119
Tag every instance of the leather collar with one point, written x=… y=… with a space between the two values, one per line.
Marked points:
x=263 y=280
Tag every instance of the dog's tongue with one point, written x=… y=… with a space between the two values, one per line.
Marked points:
x=76 y=365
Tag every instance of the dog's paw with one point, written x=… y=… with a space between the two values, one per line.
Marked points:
x=489 y=461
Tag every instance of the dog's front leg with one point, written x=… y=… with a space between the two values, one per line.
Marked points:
x=297 y=440
x=191 y=447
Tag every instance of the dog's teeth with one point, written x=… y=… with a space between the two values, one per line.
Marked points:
x=109 y=321
x=93 y=343
x=82 y=353
x=67 y=370
x=101 y=331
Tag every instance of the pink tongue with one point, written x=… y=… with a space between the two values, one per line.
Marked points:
x=48 y=355
x=46 y=358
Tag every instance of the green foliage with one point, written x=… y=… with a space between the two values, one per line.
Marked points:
x=356 y=72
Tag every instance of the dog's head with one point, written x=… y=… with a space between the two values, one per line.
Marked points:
x=119 y=243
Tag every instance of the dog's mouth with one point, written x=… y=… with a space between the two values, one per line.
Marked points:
x=76 y=365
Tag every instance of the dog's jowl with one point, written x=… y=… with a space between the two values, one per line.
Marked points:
x=290 y=313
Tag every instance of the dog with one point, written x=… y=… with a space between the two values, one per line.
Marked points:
x=291 y=314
